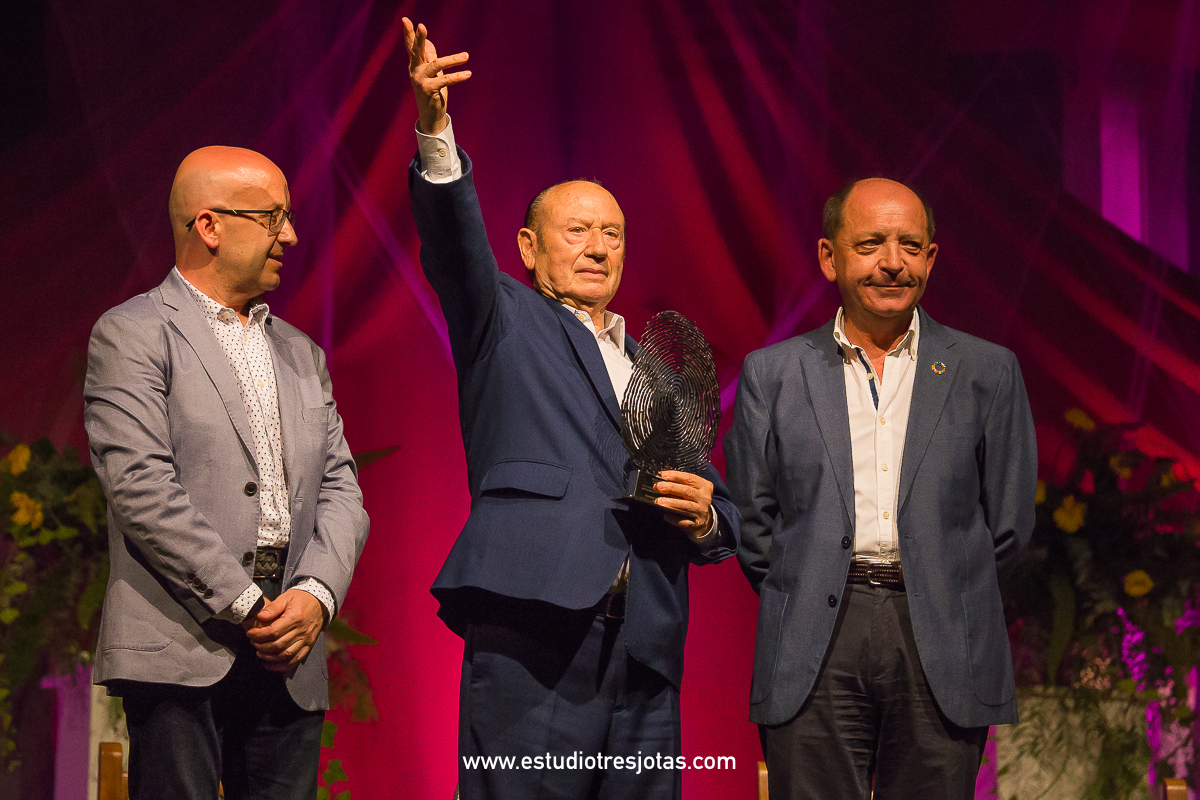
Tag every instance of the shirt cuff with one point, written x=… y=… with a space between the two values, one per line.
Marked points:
x=318 y=590
x=713 y=532
x=236 y=613
x=439 y=155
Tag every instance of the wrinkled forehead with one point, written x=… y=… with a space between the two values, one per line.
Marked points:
x=879 y=203
x=581 y=199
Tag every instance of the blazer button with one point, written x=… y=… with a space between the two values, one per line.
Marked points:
x=845 y=542
x=208 y=594
x=251 y=488
x=832 y=601
x=191 y=576
x=248 y=558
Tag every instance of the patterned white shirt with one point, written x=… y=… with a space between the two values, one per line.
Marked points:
x=250 y=360
x=877 y=434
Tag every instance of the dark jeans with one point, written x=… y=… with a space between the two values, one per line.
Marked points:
x=871 y=718
x=551 y=689
x=244 y=731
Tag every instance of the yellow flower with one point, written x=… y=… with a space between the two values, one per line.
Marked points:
x=28 y=511
x=1080 y=420
x=1040 y=497
x=1069 y=516
x=1117 y=465
x=1138 y=583
x=18 y=459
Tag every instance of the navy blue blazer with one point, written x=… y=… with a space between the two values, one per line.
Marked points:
x=968 y=478
x=545 y=462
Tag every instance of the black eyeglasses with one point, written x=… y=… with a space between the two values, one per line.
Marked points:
x=274 y=217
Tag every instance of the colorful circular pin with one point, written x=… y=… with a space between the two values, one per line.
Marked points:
x=938 y=366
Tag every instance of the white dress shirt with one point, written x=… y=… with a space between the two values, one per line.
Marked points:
x=250 y=360
x=878 y=424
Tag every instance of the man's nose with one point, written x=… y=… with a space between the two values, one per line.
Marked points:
x=891 y=258
x=594 y=246
x=287 y=234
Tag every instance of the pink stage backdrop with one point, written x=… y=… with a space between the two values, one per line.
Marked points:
x=720 y=126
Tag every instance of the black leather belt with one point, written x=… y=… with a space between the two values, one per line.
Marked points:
x=888 y=574
x=269 y=562
x=612 y=605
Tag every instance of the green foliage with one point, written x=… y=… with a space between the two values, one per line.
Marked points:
x=53 y=569
x=1119 y=534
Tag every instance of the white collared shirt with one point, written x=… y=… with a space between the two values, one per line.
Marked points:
x=611 y=340
x=877 y=436
x=249 y=355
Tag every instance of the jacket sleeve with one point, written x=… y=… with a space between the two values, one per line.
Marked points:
x=125 y=414
x=750 y=467
x=458 y=261
x=341 y=522
x=1008 y=466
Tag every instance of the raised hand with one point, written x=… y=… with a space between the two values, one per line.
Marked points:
x=689 y=499
x=428 y=79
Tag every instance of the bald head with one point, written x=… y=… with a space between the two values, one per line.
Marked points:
x=535 y=213
x=835 y=206
x=218 y=177
x=231 y=257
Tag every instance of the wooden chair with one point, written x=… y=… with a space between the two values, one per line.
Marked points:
x=113 y=782
x=1171 y=789
x=762 y=780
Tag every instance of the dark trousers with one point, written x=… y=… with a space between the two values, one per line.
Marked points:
x=244 y=731
x=555 y=691
x=871 y=719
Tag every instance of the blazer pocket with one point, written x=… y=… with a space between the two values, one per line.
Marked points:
x=771 y=606
x=526 y=477
x=320 y=415
x=961 y=430
x=987 y=647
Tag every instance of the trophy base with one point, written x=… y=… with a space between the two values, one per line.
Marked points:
x=639 y=485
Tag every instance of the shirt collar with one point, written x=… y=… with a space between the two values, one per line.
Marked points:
x=908 y=342
x=214 y=310
x=613 y=330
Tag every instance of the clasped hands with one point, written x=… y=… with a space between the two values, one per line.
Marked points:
x=285 y=630
x=689 y=499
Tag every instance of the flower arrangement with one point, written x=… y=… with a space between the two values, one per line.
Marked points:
x=53 y=575
x=1104 y=610
x=53 y=570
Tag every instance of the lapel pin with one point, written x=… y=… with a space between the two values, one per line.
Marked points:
x=938 y=367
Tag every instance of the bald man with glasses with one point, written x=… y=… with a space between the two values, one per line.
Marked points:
x=235 y=517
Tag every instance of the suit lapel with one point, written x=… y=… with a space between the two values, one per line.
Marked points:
x=287 y=387
x=187 y=318
x=930 y=391
x=824 y=373
x=588 y=353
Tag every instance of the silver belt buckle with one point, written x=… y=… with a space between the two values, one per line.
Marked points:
x=871 y=575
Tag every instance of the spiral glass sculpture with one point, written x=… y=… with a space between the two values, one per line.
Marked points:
x=672 y=407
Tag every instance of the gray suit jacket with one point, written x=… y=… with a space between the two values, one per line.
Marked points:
x=965 y=510
x=171 y=442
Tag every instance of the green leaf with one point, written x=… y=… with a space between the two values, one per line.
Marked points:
x=1063 y=626
x=65 y=532
x=15 y=588
x=327 y=733
x=322 y=793
x=8 y=615
x=343 y=795
x=92 y=597
x=334 y=772
x=339 y=630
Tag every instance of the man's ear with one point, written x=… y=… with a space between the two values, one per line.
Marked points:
x=209 y=228
x=527 y=244
x=825 y=259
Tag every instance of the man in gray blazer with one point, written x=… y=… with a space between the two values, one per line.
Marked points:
x=235 y=518
x=885 y=468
